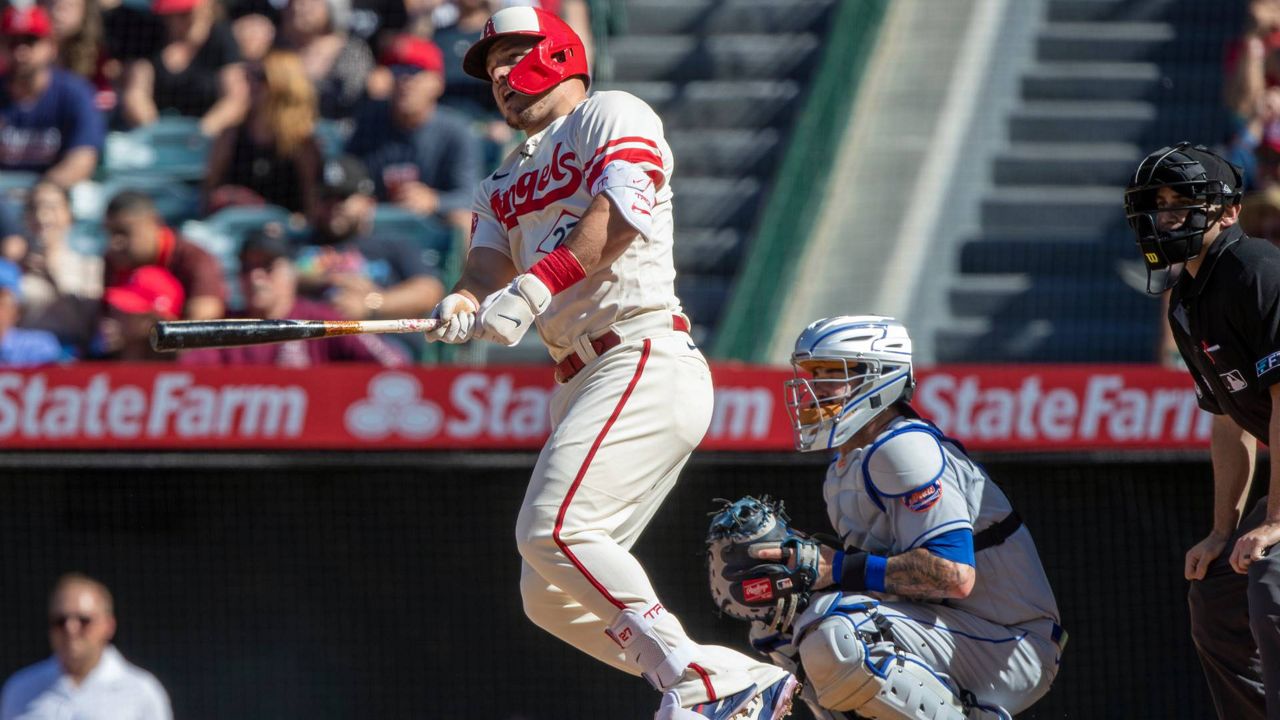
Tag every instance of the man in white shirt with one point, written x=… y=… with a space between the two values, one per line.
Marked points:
x=87 y=678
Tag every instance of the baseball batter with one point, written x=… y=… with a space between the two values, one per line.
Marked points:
x=573 y=234
x=941 y=608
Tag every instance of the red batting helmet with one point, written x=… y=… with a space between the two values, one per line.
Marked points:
x=557 y=57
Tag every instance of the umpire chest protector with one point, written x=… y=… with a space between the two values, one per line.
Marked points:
x=1226 y=323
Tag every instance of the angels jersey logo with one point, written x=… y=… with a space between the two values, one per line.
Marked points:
x=536 y=189
x=757 y=590
x=924 y=498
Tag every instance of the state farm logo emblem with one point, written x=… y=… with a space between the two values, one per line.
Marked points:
x=395 y=406
x=757 y=590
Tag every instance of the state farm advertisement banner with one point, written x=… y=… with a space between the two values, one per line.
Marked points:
x=1067 y=407
x=356 y=407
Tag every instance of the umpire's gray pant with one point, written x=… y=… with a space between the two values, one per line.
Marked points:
x=1235 y=623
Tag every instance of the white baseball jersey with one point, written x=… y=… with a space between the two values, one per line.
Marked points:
x=911 y=485
x=529 y=205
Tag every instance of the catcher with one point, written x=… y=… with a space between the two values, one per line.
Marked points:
x=932 y=604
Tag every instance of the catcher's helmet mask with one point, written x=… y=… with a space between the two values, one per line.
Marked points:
x=1207 y=182
x=847 y=370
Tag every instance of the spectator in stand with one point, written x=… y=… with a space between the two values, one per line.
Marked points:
x=420 y=21
x=20 y=347
x=577 y=13
x=336 y=63
x=61 y=289
x=133 y=307
x=423 y=157
x=77 y=27
x=362 y=275
x=50 y=124
x=375 y=20
x=253 y=23
x=196 y=72
x=13 y=244
x=130 y=32
x=273 y=154
x=1252 y=70
x=459 y=26
x=1260 y=214
x=86 y=677
x=136 y=237
x=270 y=282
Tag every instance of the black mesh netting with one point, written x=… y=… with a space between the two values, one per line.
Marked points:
x=386 y=587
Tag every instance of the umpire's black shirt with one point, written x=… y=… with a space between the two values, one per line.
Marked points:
x=1226 y=322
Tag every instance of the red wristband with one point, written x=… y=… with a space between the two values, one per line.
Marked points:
x=558 y=270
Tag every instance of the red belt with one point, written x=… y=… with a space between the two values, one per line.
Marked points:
x=572 y=364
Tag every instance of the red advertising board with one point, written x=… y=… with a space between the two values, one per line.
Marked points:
x=998 y=408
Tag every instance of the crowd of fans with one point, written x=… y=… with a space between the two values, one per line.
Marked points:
x=334 y=111
x=1252 y=90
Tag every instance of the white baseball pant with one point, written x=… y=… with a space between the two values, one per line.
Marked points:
x=622 y=429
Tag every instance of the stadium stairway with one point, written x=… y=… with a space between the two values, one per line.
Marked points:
x=726 y=76
x=1052 y=274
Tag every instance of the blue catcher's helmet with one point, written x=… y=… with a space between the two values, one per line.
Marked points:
x=847 y=370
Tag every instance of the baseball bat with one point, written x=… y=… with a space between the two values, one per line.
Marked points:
x=168 y=336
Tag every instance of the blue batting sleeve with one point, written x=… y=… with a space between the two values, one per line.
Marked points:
x=954 y=545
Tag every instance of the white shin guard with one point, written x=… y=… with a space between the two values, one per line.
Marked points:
x=877 y=680
x=661 y=663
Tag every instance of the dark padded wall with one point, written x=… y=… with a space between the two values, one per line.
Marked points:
x=386 y=586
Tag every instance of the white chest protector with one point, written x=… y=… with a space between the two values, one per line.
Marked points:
x=913 y=484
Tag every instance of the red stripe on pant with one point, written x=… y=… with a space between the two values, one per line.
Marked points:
x=582 y=472
x=706 y=681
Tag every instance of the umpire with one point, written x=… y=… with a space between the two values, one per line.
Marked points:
x=1183 y=204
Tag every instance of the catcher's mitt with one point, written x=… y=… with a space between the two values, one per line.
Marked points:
x=747 y=588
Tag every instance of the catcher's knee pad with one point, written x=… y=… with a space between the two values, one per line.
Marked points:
x=874 y=679
x=660 y=662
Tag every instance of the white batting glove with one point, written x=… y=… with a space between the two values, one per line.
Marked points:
x=457 y=316
x=505 y=316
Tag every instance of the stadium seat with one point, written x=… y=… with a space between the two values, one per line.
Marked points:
x=171 y=146
x=433 y=237
x=223 y=232
x=87 y=238
x=14 y=184
x=174 y=200
x=724 y=17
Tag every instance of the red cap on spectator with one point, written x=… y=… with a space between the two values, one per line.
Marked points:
x=150 y=289
x=413 y=52
x=26 y=21
x=173 y=7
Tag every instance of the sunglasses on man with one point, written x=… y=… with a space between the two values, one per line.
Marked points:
x=60 y=622
x=16 y=40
